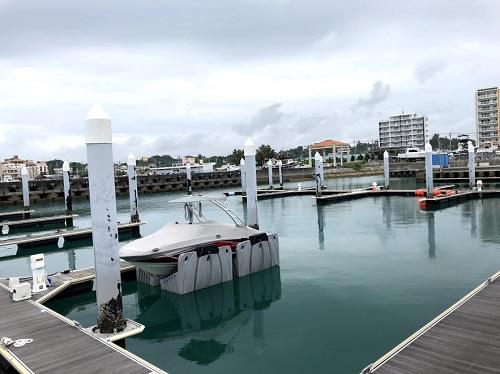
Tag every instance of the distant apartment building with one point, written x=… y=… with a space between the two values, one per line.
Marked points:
x=487 y=114
x=10 y=168
x=402 y=131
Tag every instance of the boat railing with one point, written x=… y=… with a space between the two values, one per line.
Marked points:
x=223 y=205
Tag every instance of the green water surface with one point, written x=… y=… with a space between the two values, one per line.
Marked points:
x=355 y=279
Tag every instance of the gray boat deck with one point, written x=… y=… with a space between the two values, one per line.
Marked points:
x=53 y=237
x=59 y=345
x=463 y=339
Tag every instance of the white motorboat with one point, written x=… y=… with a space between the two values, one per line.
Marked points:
x=412 y=153
x=158 y=253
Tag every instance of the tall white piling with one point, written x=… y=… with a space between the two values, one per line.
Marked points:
x=26 y=191
x=334 y=157
x=472 y=165
x=104 y=223
x=71 y=260
x=386 y=169
x=243 y=176
x=280 y=164
x=428 y=170
x=251 y=188
x=189 y=181
x=318 y=171
x=132 y=188
x=322 y=172
x=68 y=204
x=270 y=174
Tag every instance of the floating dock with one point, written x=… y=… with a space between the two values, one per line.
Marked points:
x=59 y=344
x=69 y=283
x=463 y=339
x=354 y=195
x=37 y=222
x=271 y=194
x=459 y=197
x=14 y=215
x=52 y=238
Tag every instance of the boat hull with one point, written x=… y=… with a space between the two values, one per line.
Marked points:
x=156 y=268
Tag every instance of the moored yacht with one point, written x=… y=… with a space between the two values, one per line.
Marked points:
x=159 y=252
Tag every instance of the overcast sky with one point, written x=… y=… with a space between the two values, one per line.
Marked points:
x=189 y=77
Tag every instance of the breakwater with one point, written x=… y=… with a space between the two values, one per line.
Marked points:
x=52 y=189
x=489 y=175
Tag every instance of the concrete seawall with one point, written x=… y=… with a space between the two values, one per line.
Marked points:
x=52 y=190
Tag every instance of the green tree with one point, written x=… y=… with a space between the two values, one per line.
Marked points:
x=264 y=152
x=54 y=164
x=235 y=157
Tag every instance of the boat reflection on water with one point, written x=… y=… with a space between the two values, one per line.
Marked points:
x=212 y=318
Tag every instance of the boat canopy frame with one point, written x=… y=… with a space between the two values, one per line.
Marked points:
x=193 y=207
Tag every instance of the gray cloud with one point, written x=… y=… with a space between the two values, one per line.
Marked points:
x=378 y=94
x=264 y=118
x=188 y=76
x=428 y=70
x=234 y=27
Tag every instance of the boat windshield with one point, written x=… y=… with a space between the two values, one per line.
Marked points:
x=193 y=207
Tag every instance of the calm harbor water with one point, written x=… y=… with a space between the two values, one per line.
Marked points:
x=355 y=279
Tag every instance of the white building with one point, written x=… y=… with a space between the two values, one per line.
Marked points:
x=403 y=131
x=10 y=168
x=179 y=169
x=487 y=113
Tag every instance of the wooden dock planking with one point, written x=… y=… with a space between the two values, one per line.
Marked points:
x=59 y=346
x=463 y=339
x=69 y=234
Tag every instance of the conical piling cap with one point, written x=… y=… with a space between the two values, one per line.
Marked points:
x=470 y=147
x=386 y=154
x=317 y=157
x=242 y=162
x=24 y=171
x=65 y=166
x=249 y=148
x=269 y=163
x=428 y=147
x=97 y=112
x=131 y=161
x=97 y=126
x=280 y=163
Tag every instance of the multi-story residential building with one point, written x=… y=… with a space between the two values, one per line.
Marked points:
x=403 y=131
x=487 y=114
x=10 y=168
